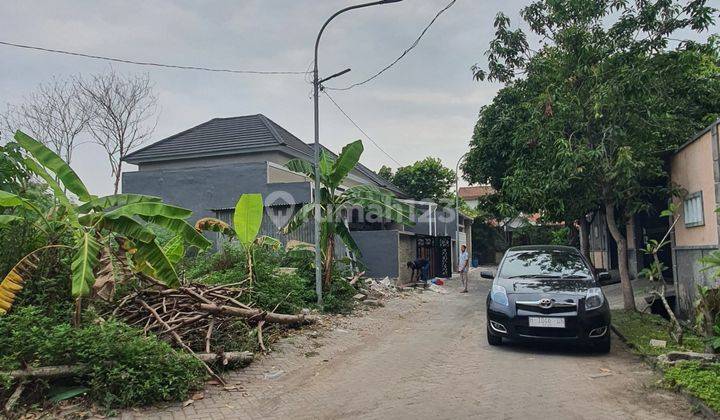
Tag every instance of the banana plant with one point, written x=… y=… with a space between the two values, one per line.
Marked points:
x=336 y=202
x=247 y=220
x=95 y=222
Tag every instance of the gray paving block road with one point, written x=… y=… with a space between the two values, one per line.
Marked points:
x=425 y=356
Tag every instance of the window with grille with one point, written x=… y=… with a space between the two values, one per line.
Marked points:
x=693 y=210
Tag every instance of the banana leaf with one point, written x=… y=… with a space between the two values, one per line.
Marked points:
x=13 y=282
x=182 y=228
x=174 y=249
x=58 y=192
x=8 y=199
x=83 y=264
x=248 y=217
x=344 y=234
x=150 y=259
x=55 y=164
x=326 y=164
x=212 y=224
x=349 y=157
x=301 y=166
x=306 y=212
x=117 y=200
x=129 y=228
x=6 y=219
x=268 y=241
x=149 y=209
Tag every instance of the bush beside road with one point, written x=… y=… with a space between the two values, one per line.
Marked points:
x=699 y=379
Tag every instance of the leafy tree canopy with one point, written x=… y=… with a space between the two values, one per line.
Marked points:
x=587 y=119
x=425 y=179
x=386 y=172
x=591 y=114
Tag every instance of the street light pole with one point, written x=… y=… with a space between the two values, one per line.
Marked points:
x=457 y=207
x=316 y=93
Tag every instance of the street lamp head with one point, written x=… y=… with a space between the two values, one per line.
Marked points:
x=391 y=1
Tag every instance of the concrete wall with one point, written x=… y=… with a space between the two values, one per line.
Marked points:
x=379 y=250
x=201 y=189
x=258 y=157
x=407 y=251
x=692 y=168
x=696 y=168
x=689 y=275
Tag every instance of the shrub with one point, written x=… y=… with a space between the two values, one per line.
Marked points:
x=640 y=328
x=129 y=369
x=703 y=381
x=124 y=368
x=339 y=299
x=288 y=292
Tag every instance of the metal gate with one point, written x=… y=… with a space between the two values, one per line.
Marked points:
x=437 y=250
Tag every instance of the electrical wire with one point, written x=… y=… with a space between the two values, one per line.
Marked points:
x=147 y=63
x=361 y=130
x=404 y=53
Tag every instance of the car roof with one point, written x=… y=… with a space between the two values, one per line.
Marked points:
x=543 y=248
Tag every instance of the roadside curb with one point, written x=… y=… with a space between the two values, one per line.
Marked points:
x=652 y=362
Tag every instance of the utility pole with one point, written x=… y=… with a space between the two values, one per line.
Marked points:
x=457 y=206
x=317 y=83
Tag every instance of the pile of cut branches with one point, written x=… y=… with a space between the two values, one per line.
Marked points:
x=189 y=316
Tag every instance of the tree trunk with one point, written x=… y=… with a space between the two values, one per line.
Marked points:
x=328 y=265
x=118 y=175
x=584 y=237
x=677 y=333
x=627 y=288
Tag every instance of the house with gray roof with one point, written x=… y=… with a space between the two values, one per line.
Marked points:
x=207 y=167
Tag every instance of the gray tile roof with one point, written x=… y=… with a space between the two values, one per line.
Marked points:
x=234 y=135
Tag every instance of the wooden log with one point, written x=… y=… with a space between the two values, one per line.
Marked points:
x=225 y=358
x=10 y=405
x=259 y=315
x=46 y=372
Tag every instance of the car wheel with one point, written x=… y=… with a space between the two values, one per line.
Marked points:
x=493 y=340
x=603 y=346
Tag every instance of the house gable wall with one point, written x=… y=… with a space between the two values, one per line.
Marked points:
x=694 y=169
x=202 y=189
x=199 y=162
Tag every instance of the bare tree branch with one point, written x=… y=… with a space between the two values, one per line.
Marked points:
x=123 y=114
x=53 y=114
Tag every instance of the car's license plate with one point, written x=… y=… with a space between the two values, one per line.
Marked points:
x=544 y=322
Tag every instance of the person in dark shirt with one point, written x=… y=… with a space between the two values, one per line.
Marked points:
x=420 y=268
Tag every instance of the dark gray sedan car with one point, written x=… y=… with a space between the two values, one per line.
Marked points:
x=547 y=293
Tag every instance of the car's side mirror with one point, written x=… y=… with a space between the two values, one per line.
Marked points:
x=487 y=275
x=604 y=277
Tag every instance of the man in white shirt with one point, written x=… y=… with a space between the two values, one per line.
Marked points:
x=463 y=266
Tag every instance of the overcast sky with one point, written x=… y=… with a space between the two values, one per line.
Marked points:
x=424 y=106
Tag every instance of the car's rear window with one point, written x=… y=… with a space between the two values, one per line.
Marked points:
x=548 y=263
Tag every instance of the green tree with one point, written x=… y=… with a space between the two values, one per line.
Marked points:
x=386 y=173
x=335 y=203
x=585 y=119
x=96 y=225
x=425 y=179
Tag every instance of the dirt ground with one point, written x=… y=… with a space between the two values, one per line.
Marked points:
x=425 y=355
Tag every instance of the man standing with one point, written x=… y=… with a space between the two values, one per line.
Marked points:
x=463 y=265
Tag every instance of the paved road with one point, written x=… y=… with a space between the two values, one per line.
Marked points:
x=425 y=356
